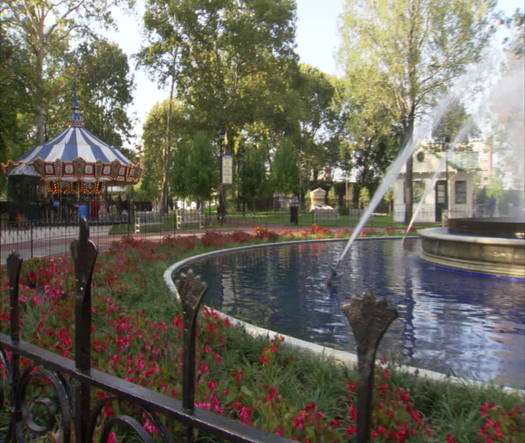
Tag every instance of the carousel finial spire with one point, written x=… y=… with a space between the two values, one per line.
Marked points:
x=76 y=118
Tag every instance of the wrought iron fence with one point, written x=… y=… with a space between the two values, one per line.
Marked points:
x=53 y=396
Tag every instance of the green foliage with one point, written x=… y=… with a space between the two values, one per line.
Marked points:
x=14 y=75
x=321 y=125
x=364 y=198
x=157 y=156
x=101 y=73
x=285 y=169
x=254 y=181
x=44 y=31
x=400 y=55
x=227 y=57
x=448 y=129
x=195 y=171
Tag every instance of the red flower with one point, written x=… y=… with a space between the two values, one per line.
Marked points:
x=272 y=393
x=263 y=358
x=299 y=419
x=450 y=438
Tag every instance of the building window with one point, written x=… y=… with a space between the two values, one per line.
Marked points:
x=460 y=191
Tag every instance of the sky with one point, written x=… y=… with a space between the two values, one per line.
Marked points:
x=317 y=37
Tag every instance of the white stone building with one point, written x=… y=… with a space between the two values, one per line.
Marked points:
x=444 y=182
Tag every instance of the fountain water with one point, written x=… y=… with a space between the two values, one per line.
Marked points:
x=491 y=244
x=421 y=132
x=471 y=77
x=439 y=170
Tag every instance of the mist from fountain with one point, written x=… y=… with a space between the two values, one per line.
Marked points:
x=494 y=64
x=421 y=132
x=464 y=130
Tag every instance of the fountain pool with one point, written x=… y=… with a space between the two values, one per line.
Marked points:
x=460 y=323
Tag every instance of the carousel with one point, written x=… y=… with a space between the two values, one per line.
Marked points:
x=73 y=174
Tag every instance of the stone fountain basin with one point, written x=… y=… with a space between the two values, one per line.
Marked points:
x=476 y=253
x=505 y=227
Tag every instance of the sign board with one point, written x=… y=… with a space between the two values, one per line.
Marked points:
x=227 y=169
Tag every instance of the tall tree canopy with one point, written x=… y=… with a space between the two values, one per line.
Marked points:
x=399 y=55
x=154 y=136
x=229 y=60
x=320 y=123
x=44 y=29
x=101 y=73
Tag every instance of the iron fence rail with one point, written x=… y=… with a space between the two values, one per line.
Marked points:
x=68 y=411
x=73 y=380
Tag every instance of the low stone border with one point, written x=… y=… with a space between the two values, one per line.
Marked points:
x=347 y=358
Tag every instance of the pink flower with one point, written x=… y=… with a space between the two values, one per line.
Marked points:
x=65 y=339
x=351 y=430
x=245 y=414
x=272 y=393
x=112 y=438
x=298 y=421
x=150 y=427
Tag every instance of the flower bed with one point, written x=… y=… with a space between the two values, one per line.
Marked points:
x=138 y=335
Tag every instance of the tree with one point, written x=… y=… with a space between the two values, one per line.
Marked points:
x=44 y=28
x=100 y=72
x=253 y=175
x=228 y=59
x=319 y=122
x=158 y=161
x=450 y=127
x=399 y=55
x=195 y=172
x=370 y=143
x=285 y=174
x=14 y=75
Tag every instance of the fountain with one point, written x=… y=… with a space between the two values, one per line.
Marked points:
x=494 y=246
x=486 y=244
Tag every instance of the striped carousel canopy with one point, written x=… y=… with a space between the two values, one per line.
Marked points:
x=77 y=155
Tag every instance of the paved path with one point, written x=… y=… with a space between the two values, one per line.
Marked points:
x=49 y=241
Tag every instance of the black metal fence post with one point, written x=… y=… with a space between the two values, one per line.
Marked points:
x=369 y=320
x=84 y=254
x=14 y=265
x=191 y=291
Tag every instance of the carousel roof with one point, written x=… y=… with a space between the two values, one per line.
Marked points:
x=78 y=155
x=74 y=142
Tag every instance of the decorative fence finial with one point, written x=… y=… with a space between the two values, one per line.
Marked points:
x=369 y=320
x=191 y=290
x=84 y=254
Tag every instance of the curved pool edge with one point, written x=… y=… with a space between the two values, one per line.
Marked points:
x=345 y=357
x=497 y=256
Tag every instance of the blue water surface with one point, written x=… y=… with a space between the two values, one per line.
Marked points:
x=453 y=322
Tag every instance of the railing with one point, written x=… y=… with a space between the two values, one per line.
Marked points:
x=53 y=397
x=34 y=238
x=61 y=389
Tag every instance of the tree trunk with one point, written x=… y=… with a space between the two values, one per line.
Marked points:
x=40 y=118
x=164 y=191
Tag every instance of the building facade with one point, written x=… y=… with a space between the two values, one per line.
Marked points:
x=444 y=182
